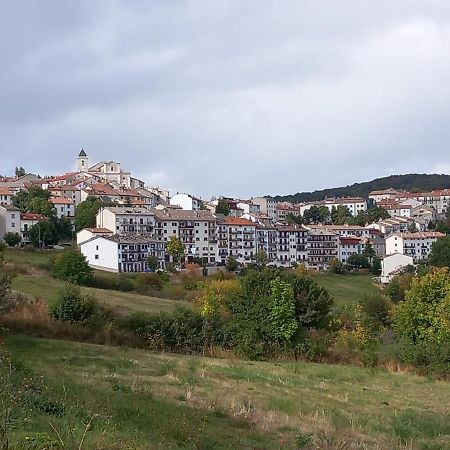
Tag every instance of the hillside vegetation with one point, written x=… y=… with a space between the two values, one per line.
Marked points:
x=121 y=398
x=413 y=182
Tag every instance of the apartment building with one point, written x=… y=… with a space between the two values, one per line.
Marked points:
x=67 y=191
x=267 y=206
x=122 y=253
x=349 y=230
x=291 y=245
x=417 y=245
x=322 y=247
x=349 y=246
x=267 y=240
x=284 y=209
x=237 y=238
x=384 y=194
x=394 y=225
x=9 y=220
x=27 y=220
x=125 y=220
x=197 y=230
x=398 y=210
x=354 y=204
x=65 y=207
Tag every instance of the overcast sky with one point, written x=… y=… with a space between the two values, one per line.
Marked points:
x=235 y=97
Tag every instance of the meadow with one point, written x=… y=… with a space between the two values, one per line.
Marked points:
x=135 y=399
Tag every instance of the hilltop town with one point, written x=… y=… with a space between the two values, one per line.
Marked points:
x=133 y=221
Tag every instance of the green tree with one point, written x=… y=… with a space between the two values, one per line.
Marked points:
x=376 y=266
x=442 y=226
x=424 y=316
x=261 y=258
x=341 y=215
x=440 y=252
x=282 y=321
x=232 y=264
x=12 y=239
x=316 y=214
x=34 y=199
x=73 y=267
x=336 y=266
x=86 y=212
x=368 y=251
x=19 y=172
x=43 y=233
x=175 y=248
x=222 y=207
x=294 y=219
x=153 y=263
x=358 y=260
x=64 y=227
x=71 y=306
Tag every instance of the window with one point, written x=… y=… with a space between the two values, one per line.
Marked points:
x=13 y=225
x=96 y=247
x=96 y=256
x=13 y=216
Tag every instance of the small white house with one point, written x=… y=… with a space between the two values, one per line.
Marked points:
x=122 y=254
x=187 y=202
x=391 y=264
x=64 y=206
x=88 y=233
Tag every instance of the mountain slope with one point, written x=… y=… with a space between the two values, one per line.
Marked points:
x=413 y=182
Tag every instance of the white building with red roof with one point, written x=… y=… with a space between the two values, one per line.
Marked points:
x=417 y=245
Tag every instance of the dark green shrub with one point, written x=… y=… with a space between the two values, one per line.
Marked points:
x=148 y=280
x=72 y=306
x=12 y=239
x=73 y=267
x=377 y=307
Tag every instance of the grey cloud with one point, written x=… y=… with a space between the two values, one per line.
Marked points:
x=232 y=97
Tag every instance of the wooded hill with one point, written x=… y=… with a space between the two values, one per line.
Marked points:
x=413 y=182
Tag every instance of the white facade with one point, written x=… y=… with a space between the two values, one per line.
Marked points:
x=267 y=206
x=9 y=220
x=384 y=194
x=186 y=202
x=291 y=245
x=391 y=264
x=417 y=245
x=101 y=253
x=349 y=246
x=65 y=207
x=126 y=220
x=88 y=233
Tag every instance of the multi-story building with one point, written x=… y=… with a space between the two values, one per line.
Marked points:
x=417 y=245
x=291 y=245
x=267 y=206
x=322 y=247
x=197 y=231
x=237 y=238
x=9 y=220
x=284 y=209
x=349 y=230
x=122 y=253
x=377 y=196
x=394 y=225
x=125 y=220
x=349 y=246
x=64 y=207
x=266 y=240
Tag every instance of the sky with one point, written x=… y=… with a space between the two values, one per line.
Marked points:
x=237 y=97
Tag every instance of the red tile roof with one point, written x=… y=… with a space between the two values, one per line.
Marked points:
x=32 y=216
x=238 y=221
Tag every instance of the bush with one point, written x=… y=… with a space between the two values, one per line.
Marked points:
x=73 y=307
x=12 y=239
x=337 y=266
x=148 y=280
x=73 y=267
x=378 y=308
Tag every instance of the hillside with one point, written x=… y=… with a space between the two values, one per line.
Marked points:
x=413 y=182
x=120 y=398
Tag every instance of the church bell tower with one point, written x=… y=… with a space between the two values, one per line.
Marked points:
x=83 y=164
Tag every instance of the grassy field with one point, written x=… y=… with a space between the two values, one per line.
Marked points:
x=46 y=287
x=137 y=399
x=347 y=288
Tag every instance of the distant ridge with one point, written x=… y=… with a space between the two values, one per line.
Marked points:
x=413 y=182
